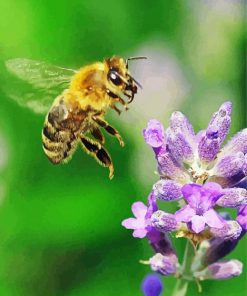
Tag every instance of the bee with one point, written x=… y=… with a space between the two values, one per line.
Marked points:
x=82 y=98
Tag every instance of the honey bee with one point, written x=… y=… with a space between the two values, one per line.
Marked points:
x=81 y=100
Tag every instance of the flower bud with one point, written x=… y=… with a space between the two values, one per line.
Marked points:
x=215 y=133
x=163 y=221
x=165 y=265
x=229 y=165
x=218 y=249
x=169 y=168
x=233 y=198
x=167 y=190
x=238 y=143
x=221 y=120
x=180 y=123
x=154 y=134
x=209 y=145
x=152 y=285
x=179 y=147
x=230 y=231
x=221 y=270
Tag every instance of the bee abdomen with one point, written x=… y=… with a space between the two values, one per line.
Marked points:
x=58 y=144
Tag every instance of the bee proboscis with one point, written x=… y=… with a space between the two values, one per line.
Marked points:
x=76 y=102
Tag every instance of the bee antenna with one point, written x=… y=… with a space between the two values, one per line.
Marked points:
x=138 y=83
x=136 y=58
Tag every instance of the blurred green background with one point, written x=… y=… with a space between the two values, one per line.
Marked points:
x=60 y=226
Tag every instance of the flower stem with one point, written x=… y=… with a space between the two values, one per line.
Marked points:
x=189 y=254
x=182 y=283
x=180 y=288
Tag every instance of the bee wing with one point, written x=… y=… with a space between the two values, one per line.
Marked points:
x=36 y=83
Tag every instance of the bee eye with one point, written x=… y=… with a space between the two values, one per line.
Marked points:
x=115 y=79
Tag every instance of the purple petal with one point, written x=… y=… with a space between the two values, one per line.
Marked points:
x=229 y=165
x=152 y=205
x=242 y=217
x=213 y=219
x=152 y=285
x=214 y=188
x=214 y=192
x=154 y=134
x=167 y=190
x=130 y=223
x=139 y=209
x=140 y=233
x=233 y=198
x=192 y=194
x=197 y=223
x=185 y=214
x=201 y=198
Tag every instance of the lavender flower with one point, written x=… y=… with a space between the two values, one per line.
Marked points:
x=202 y=177
x=199 y=211
x=138 y=224
x=189 y=158
x=152 y=285
x=141 y=223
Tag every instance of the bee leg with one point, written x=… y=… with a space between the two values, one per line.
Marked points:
x=116 y=98
x=97 y=134
x=116 y=109
x=122 y=102
x=111 y=130
x=99 y=153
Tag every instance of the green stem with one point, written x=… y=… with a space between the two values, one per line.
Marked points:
x=180 y=288
x=188 y=258
x=182 y=283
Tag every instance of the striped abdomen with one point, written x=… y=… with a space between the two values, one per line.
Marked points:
x=58 y=145
x=59 y=140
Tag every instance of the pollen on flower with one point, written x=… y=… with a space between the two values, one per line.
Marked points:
x=195 y=238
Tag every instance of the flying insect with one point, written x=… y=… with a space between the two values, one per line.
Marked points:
x=76 y=102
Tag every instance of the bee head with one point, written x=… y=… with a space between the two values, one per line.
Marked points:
x=119 y=76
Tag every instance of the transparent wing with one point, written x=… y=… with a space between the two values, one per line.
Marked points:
x=36 y=84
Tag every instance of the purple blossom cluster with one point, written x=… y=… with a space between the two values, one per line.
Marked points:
x=204 y=179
